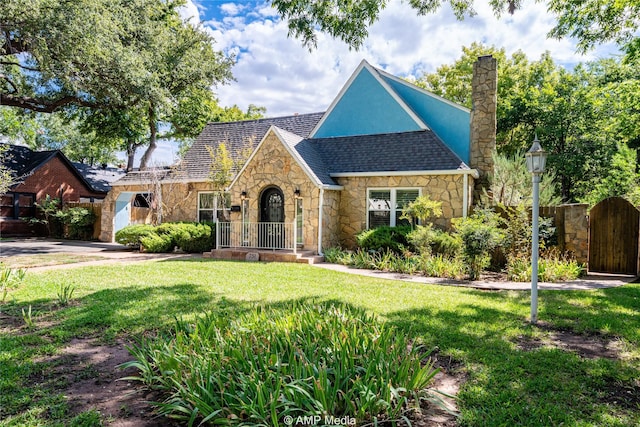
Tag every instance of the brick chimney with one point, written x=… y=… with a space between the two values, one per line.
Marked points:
x=484 y=100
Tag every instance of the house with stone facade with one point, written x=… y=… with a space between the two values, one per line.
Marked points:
x=314 y=181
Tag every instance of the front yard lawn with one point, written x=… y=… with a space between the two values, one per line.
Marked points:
x=516 y=374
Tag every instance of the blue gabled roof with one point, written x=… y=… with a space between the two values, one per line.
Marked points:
x=375 y=102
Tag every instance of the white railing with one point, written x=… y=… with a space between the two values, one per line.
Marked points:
x=256 y=235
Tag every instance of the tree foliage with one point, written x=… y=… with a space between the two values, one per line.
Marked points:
x=581 y=115
x=138 y=56
x=589 y=21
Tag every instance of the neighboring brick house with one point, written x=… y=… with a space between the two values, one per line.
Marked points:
x=37 y=174
x=316 y=180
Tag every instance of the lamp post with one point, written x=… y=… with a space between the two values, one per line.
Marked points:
x=536 y=160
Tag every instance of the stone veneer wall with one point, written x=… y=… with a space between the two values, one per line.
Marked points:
x=572 y=225
x=272 y=165
x=483 y=119
x=447 y=189
x=331 y=219
x=180 y=202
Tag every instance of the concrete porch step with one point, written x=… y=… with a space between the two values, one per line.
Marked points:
x=237 y=254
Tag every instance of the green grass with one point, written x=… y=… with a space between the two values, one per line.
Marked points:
x=505 y=384
x=42 y=260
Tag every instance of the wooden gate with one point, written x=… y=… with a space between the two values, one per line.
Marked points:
x=614 y=230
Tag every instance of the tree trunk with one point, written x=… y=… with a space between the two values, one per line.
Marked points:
x=131 y=154
x=153 y=129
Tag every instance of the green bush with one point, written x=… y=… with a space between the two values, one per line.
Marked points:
x=552 y=267
x=480 y=234
x=131 y=235
x=427 y=240
x=77 y=222
x=194 y=237
x=157 y=243
x=382 y=238
x=265 y=364
x=446 y=244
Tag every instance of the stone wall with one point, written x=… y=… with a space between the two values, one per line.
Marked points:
x=447 y=189
x=272 y=165
x=483 y=119
x=179 y=200
x=331 y=218
x=572 y=225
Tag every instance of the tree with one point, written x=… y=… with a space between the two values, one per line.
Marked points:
x=589 y=21
x=136 y=55
x=6 y=177
x=579 y=115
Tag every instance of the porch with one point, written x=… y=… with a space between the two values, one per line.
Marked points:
x=276 y=255
x=262 y=241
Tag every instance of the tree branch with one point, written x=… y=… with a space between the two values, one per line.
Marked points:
x=11 y=47
x=8 y=80
x=24 y=67
x=42 y=105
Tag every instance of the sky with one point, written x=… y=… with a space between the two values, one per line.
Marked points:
x=279 y=73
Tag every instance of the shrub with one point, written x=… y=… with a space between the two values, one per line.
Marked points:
x=446 y=244
x=422 y=209
x=382 y=238
x=552 y=267
x=157 y=243
x=131 y=235
x=441 y=266
x=421 y=238
x=257 y=367
x=195 y=237
x=77 y=222
x=480 y=234
x=338 y=256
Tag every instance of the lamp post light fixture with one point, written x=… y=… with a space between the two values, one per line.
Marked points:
x=536 y=160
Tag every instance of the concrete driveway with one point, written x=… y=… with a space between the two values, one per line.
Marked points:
x=35 y=246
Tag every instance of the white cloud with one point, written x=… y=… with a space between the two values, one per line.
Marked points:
x=189 y=11
x=275 y=71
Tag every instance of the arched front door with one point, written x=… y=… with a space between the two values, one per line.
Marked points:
x=271 y=229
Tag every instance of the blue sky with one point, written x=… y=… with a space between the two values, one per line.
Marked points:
x=280 y=74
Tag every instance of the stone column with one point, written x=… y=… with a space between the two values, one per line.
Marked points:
x=483 y=120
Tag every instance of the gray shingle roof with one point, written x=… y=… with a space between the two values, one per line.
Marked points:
x=237 y=135
x=22 y=162
x=406 y=151
x=99 y=178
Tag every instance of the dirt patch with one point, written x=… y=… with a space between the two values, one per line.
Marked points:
x=448 y=382
x=586 y=346
x=89 y=375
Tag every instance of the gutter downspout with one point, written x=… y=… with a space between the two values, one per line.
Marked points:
x=321 y=205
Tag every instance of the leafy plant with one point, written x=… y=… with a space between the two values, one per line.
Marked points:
x=552 y=267
x=65 y=293
x=131 y=235
x=382 y=238
x=267 y=363
x=48 y=208
x=27 y=316
x=422 y=209
x=77 y=221
x=480 y=234
x=10 y=278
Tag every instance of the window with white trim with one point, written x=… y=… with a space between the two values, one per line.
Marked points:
x=207 y=209
x=384 y=205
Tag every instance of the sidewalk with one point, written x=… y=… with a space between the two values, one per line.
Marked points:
x=591 y=281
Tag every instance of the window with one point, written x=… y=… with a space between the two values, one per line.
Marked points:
x=207 y=209
x=143 y=200
x=17 y=205
x=384 y=206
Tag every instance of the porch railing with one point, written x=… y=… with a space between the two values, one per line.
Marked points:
x=256 y=235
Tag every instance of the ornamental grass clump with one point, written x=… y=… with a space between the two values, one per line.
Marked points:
x=258 y=367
